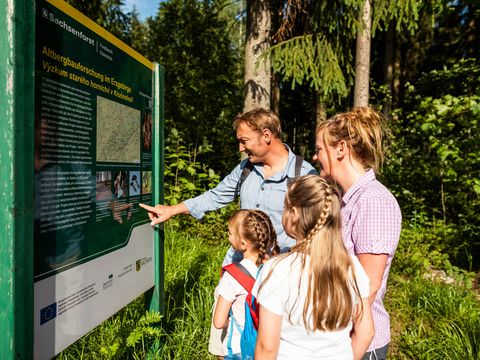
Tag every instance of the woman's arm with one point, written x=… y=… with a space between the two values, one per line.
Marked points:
x=363 y=331
x=374 y=265
x=268 y=339
x=220 y=316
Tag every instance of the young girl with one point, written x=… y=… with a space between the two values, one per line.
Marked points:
x=349 y=150
x=252 y=233
x=313 y=300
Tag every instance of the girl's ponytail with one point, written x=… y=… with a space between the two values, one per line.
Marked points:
x=363 y=129
x=262 y=235
x=329 y=302
x=256 y=227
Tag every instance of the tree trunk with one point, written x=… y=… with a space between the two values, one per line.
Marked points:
x=320 y=109
x=257 y=71
x=362 y=61
x=389 y=64
x=397 y=74
x=275 y=98
x=473 y=39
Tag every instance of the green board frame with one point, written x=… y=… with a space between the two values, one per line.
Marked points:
x=17 y=25
x=155 y=297
x=17 y=80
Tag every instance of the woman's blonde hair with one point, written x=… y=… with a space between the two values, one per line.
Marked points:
x=256 y=227
x=329 y=304
x=363 y=129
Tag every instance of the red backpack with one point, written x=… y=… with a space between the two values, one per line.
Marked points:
x=241 y=274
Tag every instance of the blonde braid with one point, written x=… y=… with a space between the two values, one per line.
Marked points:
x=329 y=192
x=329 y=301
x=270 y=229
x=262 y=234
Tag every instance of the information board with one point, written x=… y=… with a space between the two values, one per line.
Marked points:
x=93 y=248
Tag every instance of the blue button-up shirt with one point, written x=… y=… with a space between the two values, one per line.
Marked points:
x=256 y=193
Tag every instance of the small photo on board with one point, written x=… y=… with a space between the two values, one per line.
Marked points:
x=134 y=183
x=147 y=132
x=120 y=186
x=146 y=182
x=103 y=188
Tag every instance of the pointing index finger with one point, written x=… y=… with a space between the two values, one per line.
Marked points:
x=147 y=207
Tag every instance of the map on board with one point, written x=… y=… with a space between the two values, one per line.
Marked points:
x=118 y=132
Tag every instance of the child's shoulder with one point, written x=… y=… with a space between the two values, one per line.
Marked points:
x=251 y=267
x=281 y=263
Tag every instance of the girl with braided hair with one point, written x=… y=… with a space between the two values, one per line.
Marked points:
x=349 y=150
x=313 y=300
x=252 y=233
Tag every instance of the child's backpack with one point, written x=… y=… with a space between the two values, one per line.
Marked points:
x=248 y=336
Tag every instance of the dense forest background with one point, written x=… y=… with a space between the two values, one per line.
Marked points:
x=423 y=73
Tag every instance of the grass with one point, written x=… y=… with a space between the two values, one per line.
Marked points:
x=108 y=340
x=433 y=320
x=192 y=270
x=429 y=320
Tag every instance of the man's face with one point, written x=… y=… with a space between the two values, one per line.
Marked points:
x=252 y=142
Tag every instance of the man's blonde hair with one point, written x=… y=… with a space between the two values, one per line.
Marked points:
x=259 y=119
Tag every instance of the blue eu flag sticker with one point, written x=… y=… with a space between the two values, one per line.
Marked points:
x=48 y=313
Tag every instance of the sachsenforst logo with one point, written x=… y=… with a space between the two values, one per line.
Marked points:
x=142 y=262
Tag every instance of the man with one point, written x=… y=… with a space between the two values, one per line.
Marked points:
x=261 y=181
x=259 y=135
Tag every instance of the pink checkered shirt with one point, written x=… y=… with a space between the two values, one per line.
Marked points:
x=371 y=223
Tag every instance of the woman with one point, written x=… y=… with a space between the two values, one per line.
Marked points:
x=349 y=150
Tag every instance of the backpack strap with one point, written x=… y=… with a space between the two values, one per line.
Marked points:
x=245 y=172
x=298 y=165
x=230 y=331
x=241 y=274
x=251 y=304
x=298 y=169
x=249 y=167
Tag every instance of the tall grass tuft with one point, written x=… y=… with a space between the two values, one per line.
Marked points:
x=433 y=320
x=192 y=270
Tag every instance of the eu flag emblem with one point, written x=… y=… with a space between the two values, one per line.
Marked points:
x=48 y=313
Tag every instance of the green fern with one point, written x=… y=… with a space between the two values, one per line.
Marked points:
x=135 y=336
x=151 y=317
x=147 y=328
x=110 y=351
